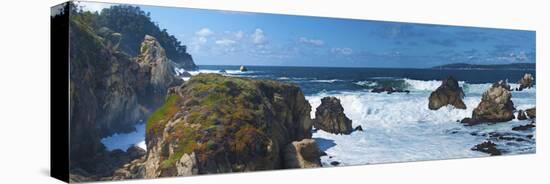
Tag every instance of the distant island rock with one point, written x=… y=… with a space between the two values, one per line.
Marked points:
x=466 y=66
x=243 y=68
x=526 y=82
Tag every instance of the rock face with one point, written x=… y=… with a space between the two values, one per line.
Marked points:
x=449 y=93
x=302 y=154
x=526 y=82
x=109 y=92
x=330 y=117
x=495 y=106
x=218 y=124
x=156 y=73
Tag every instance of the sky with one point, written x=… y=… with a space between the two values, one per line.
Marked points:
x=240 y=38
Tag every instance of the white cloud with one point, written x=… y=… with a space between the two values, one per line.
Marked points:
x=315 y=42
x=239 y=35
x=342 y=51
x=225 y=42
x=204 y=32
x=258 y=37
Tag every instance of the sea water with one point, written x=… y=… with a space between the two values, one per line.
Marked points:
x=397 y=127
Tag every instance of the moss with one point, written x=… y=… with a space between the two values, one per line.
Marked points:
x=229 y=117
x=163 y=114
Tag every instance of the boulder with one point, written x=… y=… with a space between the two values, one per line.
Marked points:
x=521 y=115
x=302 y=154
x=487 y=147
x=449 y=93
x=495 y=106
x=527 y=81
x=330 y=117
x=219 y=124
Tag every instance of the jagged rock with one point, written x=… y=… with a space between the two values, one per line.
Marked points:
x=495 y=106
x=135 y=152
x=243 y=68
x=487 y=147
x=526 y=82
x=389 y=90
x=502 y=84
x=302 y=154
x=522 y=115
x=449 y=93
x=230 y=124
x=156 y=73
x=330 y=117
x=358 y=128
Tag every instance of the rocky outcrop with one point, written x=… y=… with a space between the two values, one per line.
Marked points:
x=302 y=154
x=449 y=93
x=330 y=117
x=156 y=73
x=526 y=82
x=495 y=106
x=218 y=124
x=109 y=93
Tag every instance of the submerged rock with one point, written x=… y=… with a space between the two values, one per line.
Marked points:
x=524 y=127
x=449 y=93
x=330 y=117
x=302 y=154
x=218 y=124
x=526 y=82
x=334 y=163
x=496 y=106
x=487 y=147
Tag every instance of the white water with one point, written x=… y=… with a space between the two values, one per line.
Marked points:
x=124 y=141
x=399 y=127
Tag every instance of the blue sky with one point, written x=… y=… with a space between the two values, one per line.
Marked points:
x=239 y=38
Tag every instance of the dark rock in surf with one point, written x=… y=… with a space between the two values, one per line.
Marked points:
x=330 y=117
x=358 y=128
x=487 y=147
x=526 y=82
x=531 y=113
x=334 y=163
x=524 y=127
x=449 y=93
x=389 y=90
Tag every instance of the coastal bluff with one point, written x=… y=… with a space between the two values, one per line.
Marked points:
x=217 y=124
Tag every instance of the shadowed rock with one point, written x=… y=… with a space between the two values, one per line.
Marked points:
x=330 y=117
x=302 y=154
x=487 y=147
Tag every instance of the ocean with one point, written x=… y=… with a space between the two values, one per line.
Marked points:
x=398 y=127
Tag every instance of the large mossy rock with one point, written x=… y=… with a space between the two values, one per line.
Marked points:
x=219 y=124
x=330 y=117
x=449 y=93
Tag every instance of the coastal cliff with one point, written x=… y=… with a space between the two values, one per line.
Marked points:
x=216 y=124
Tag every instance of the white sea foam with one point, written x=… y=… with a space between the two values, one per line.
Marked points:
x=400 y=127
x=124 y=141
x=327 y=81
